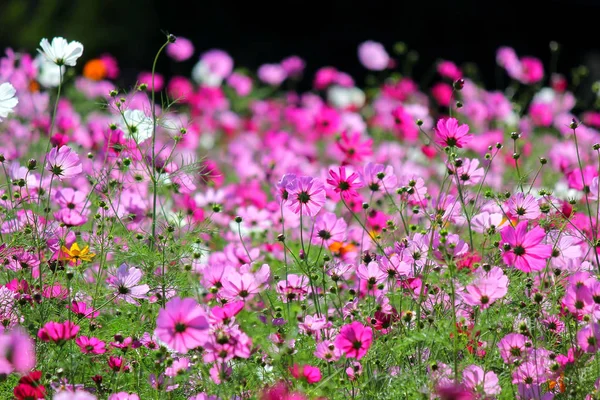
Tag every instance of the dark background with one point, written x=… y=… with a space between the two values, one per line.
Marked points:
x=322 y=33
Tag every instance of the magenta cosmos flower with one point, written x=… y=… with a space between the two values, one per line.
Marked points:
x=346 y=186
x=306 y=195
x=63 y=162
x=58 y=332
x=91 y=345
x=181 y=50
x=524 y=250
x=329 y=229
x=588 y=338
x=354 y=340
x=449 y=133
x=182 y=325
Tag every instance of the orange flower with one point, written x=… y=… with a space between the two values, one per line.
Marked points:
x=95 y=69
x=558 y=382
x=341 y=249
x=75 y=255
x=33 y=86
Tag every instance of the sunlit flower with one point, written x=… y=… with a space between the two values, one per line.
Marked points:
x=75 y=255
x=8 y=101
x=61 y=52
x=63 y=163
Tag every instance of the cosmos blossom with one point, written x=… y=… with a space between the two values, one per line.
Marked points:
x=354 y=340
x=182 y=325
x=63 y=163
x=448 y=133
x=125 y=284
x=8 y=100
x=306 y=195
x=344 y=184
x=58 y=332
x=523 y=249
x=60 y=51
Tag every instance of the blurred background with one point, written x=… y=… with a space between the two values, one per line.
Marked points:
x=322 y=33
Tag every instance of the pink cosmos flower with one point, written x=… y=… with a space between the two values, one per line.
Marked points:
x=329 y=228
x=124 y=396
x=181 y=50
x=240 y=83
x=378 y=177
x=218 y=62
x=514 y=347
x=182 y=325
x=481 y=382
x=449 y=133
x=74 y=395
x=306 y=195
x=353 y=146
x=541 y=114
x=449 y=70
x=238 y=286
x=442 y=93
x=404 y=124
x=529 y=373
x=91 y=345
x=468 y=172
x=272 y=74
x=17 y=352
x=58 y=332
x=308 y=372
x=523 y=250
x=344 y=185
x=293 y=65
x=327 y=351
x=588 y=338
x=523 y=206
x=532 y=70
x=81 y=310
x=371 y=273
x=125 y=283
x=146 y=77
x=486 y=289
x=63 y=163
x=354 y=340
x=295 y=287
x=372 y=55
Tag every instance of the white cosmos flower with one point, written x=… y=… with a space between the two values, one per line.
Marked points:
x=201 y=73
x=61 y=52
x=139 y=127
x=49 y=74
x=8 y=101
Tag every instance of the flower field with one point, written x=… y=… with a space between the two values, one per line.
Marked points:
x=222 y=235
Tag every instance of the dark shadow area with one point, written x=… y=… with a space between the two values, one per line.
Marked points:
x=323 y=33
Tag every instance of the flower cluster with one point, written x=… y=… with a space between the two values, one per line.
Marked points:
x=245 y=240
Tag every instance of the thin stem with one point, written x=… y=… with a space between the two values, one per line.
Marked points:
x=154 y=180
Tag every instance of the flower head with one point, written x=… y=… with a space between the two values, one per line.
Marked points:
x=372 y=55
x=344 y=185
x=354 y=340
x=8 y=101
x=63 y=163
x=58 y=332
x=306 y=195
x=449 y=133
x=75 y=255
x=61 y=52
x=524 y=250
x=182 y=325
x=125 y=283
